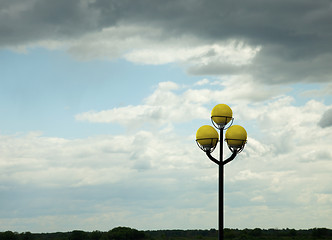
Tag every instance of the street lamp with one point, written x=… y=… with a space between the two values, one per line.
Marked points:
x=207 y=139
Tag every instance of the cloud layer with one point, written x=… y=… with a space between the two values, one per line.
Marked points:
x=282 y=42
x=150 y=176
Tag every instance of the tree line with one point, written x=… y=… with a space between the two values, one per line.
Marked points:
x=126 y=233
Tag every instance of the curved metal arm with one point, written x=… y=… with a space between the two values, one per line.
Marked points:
x=230 y=158
x=212 y=158
x=224 y=162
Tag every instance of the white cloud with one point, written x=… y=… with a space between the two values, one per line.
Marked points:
x=241 y=88
x=324 y=90
x=79 y=178
x=280 y=165
x=202 y=82
x=55 y=162
x=108 y=43
x=149 y=45
x=167 y=106
x=112 y=42
x=161 y=107
x=280 y=169
x=232 y=53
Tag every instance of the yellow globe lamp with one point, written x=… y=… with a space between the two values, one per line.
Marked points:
x=221 y=114
x=236 y=137
x=207 y=138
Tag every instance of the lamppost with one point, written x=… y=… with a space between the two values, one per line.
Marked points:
x=207 y=139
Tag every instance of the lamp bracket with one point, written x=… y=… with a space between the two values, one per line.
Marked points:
x=230 y=158
x=207 y=149
x=224 y=162
x=223 y=126
x=234 y=149
x=212 y=158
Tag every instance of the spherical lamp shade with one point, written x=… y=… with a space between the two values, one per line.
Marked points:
x=207 y=138
x=221 y=114
x=236 y=138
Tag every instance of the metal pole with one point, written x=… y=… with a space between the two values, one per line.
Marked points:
x=221 y=189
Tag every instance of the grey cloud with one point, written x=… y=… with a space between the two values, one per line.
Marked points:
x=326 y=120
x=283 y=22
x=23 y=22
x=216 y=68
x=275 y=65
x=294 y=35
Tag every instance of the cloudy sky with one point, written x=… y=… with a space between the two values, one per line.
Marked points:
x=100 y=101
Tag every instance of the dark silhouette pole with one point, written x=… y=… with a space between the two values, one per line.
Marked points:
x=221 y=164
x=221 y=188
x=207 y=139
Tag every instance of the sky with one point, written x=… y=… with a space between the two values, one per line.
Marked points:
x=100 y=101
